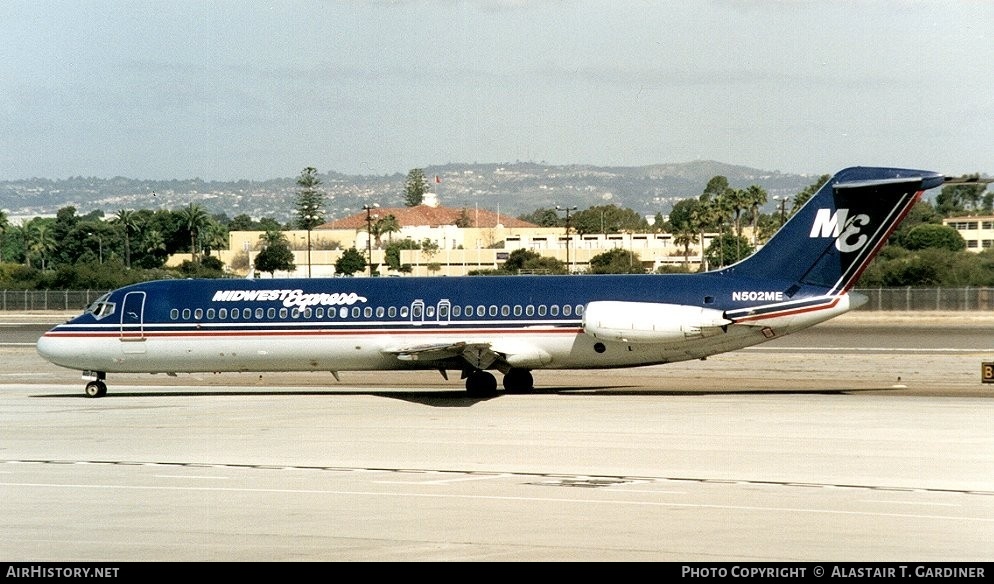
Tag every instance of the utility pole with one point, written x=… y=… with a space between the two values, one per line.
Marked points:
x=369 y=233
x=100 y=244
x=567 y=209
x=783 y=207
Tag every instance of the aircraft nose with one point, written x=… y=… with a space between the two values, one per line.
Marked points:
x=53 y=349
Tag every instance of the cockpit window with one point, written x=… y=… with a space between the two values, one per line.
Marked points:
x=101 y=308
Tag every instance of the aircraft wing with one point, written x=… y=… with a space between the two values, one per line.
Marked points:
x=479 y=355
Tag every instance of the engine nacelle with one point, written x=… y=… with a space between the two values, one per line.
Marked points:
x=651 y=322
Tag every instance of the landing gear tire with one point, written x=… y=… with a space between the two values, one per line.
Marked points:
x=519 y=381
x=481 y=383
x=96 y=389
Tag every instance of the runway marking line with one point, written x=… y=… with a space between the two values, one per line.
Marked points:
x=209 y=478
x=502 y=498
x=538 y=479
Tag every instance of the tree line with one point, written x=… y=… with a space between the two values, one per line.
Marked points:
x=94 y=251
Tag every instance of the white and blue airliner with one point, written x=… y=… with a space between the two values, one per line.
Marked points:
x=509 y=324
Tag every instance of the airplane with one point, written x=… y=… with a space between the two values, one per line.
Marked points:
x=514 y=325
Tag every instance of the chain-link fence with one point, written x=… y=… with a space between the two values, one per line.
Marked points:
x=893 y=299
x=28 y=300
x=920 y=299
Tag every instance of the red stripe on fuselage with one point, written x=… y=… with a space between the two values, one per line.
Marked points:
x=832 y=304
x=307 y=333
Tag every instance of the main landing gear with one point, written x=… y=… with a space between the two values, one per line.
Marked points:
x=483 y=383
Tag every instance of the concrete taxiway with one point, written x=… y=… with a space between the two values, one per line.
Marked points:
x=863 y=439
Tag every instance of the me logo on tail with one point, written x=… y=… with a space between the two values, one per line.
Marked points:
x=845 y=229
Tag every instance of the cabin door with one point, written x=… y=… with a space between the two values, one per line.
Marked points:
x=418 y=312
x=133 y=323
x=444 y=311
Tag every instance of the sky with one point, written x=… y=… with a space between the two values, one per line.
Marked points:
x=246 y=89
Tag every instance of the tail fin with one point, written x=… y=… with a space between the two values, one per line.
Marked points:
x=831 y=240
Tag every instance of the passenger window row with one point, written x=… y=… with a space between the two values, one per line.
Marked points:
x=419 y=311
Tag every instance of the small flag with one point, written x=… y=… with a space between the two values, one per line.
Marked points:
x=437 y=179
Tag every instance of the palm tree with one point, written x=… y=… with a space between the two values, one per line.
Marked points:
x=194 y=219
x=153 y=242
x=385 y=226
x=701 y=219
x=721 y=211
x=129 y=222
x=755 y=198
x=40 y=241
x=686 y=238
x=213 y=236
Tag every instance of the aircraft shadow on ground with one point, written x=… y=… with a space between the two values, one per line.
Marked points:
x=461 y=399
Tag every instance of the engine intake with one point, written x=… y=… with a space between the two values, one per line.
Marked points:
x=651 y=322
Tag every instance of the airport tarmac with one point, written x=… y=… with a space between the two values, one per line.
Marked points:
x=868 y=438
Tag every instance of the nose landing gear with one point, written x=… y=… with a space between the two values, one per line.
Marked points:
x=96 y=389
x=96 y=386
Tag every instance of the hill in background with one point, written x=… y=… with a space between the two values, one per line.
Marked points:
x=510 y=188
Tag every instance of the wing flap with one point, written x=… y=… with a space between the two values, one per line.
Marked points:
x=479 y=355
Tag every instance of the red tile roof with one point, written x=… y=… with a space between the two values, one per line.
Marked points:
x=423 y=215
